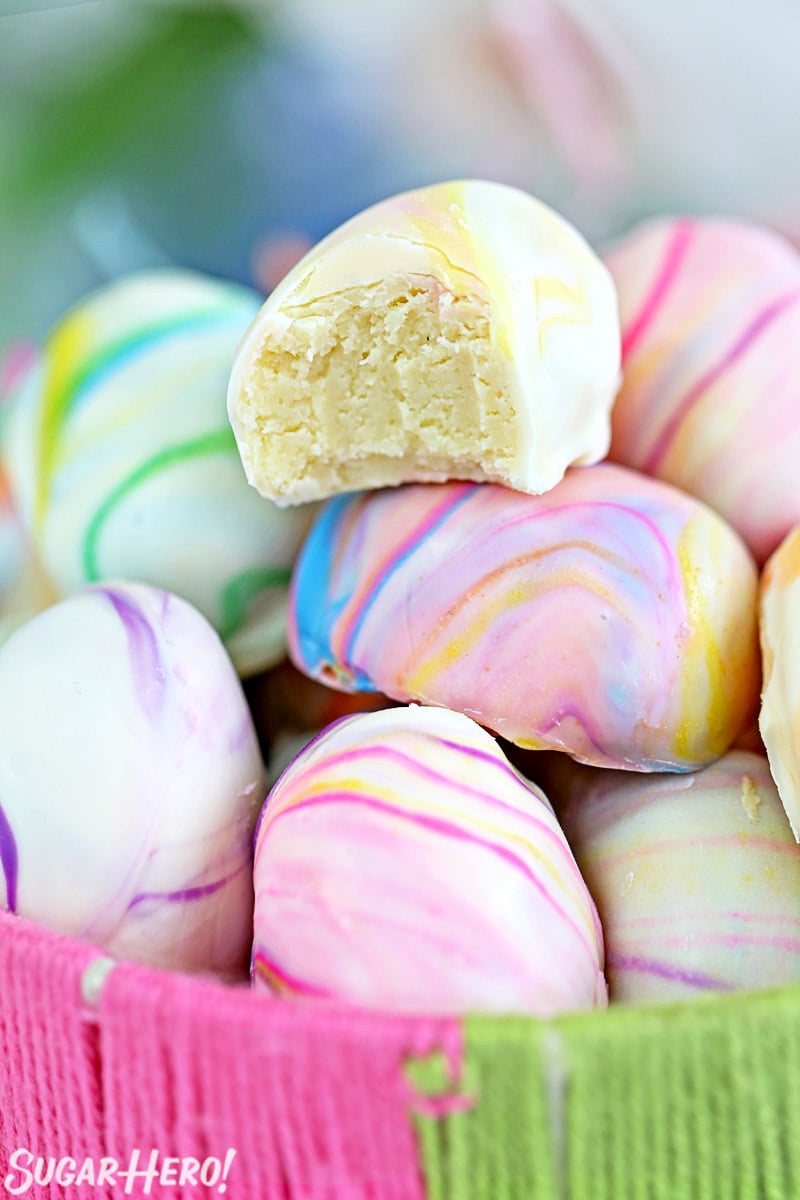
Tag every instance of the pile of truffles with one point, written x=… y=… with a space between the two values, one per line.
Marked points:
x=524 y=516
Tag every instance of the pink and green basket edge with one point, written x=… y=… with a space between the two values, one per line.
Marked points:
x=328 y=1103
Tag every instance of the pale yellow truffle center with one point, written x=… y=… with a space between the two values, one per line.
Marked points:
x=372 y=385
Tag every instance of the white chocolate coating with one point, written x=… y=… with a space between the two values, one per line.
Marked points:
x=710 y=310
x=463 y=330
x=130 y=780
x=402 y=863
x=696 y=877
x=123 y=465
x=613 y=618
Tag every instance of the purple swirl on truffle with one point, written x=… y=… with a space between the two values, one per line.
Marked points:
x=197 y=892
x=9 y=861
x=643 y=964
x=146 y=663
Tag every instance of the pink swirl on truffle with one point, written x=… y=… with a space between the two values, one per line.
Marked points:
x=612 y=617
x=402 y=863
x=710 y=312
x=696 y=877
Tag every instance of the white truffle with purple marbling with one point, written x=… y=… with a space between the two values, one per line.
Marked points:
x=130 y=780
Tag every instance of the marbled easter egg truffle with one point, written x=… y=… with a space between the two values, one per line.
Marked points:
x=461 y=331
x=130 y=780
x=696 y=877
x=613 y=617
x=710 y=310
x=401 y=863
x=123 y=463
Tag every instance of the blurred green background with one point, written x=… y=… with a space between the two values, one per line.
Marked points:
x=146 y=134
x=228 y=135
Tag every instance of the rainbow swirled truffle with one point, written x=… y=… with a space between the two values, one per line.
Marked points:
x=123 y=464
x=460 y=331
x=710 y=312
x=696 y=877
x=130 y=780
x=779 y=719
x=402 y=863
x=613 y=617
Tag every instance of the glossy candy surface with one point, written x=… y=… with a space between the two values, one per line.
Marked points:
x=613 y=617
x=696 y=877
x=123 y=465
x=459 y=331
x=710 y=312
x=402 y=863
x=130 y=780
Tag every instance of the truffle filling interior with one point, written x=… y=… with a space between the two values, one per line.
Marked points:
x=369 y=383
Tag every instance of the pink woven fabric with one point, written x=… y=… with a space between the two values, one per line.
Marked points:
x=313 y=1100
x=49 y=1078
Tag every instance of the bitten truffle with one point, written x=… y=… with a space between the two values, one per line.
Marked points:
x=462 y=331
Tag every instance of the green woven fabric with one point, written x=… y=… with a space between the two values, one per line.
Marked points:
x=690 y=1102
x=501 y=1147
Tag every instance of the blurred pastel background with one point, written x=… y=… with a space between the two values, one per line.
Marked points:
x=228 y=136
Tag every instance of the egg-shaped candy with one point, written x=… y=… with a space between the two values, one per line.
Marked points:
x=402 y=864
x=123 y=463
x=130 y=780
x=459 y=331
x=613 y=617
x=696 y=877
x=710 y=311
